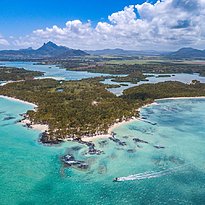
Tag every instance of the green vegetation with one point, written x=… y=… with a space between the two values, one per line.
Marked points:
x=163 y=76
x=169 y=68
x=136 y=61
x=123 y=84
x=159 y=68
x=109 y=86
x=15 y=74
x=134 y=78
x=129 y=65
x=85 y=108
x=164 y=90
x=81 y=108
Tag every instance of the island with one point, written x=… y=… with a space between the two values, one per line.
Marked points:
x=71 y=109
x=133 y=77
x=100 y=65
x=15 y=74
x=76 y=109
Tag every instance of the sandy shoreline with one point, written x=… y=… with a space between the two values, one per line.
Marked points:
x=43 y=128
x=180 y=98
x=39 y=127
x=110 y=130
x=116 y=125
x=49 y=77
x=10 y=81
x=17 y=100
x=91 y=139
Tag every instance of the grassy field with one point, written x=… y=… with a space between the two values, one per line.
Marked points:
x=154 y=61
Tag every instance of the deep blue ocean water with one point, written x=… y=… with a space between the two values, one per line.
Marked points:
x=31 y=173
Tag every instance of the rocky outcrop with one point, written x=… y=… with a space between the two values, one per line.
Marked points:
x=137 y=140
x=91 y=147
x=70 y=161
x=116 y=140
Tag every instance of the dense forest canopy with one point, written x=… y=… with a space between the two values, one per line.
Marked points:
x=71 y=108
x=79 y=108
x=14 y=74
x=164 y=90
x=85 y=108
x=100 y=66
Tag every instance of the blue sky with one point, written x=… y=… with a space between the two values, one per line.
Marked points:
x=24 y=16
x=99 y=24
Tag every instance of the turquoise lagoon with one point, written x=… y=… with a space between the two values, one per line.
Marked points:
x=31 y=173
x=53 y=71
x=182 y=77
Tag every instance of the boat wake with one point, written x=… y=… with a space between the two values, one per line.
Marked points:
x=149 y=175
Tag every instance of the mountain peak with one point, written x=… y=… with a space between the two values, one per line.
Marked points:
x=187 y=49
x=49 y=45
x=47 y=50
x=51 y=49
x=188 y=52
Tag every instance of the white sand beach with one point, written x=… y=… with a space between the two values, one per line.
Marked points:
x=116 y=125
x=17 y=100
x=39 y=127
x=110 y=130
x=44 y=128
x=10 y=81
x=176 y=98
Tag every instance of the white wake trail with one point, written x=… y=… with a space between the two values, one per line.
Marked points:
x=149 y=175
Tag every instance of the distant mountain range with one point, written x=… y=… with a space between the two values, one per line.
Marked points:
x=183 y=53
x=52 y=51
x=121 y=52
x=187 y=53
x=48 y=50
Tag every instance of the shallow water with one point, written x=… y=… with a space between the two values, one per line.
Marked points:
x=118 y=91
x=182 y=77
x=31 y=173
x=52 y=71
x=58 y=73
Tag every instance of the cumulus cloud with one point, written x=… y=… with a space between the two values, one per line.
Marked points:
x=167 y=24
x=3 y=41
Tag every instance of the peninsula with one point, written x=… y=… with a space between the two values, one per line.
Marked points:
x=76 y=109
x=15 y=74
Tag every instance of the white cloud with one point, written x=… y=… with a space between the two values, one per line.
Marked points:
x=168 y=24
x=3 y=41
x=123 y=17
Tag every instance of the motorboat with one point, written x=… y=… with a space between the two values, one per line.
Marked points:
x=116 y=179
